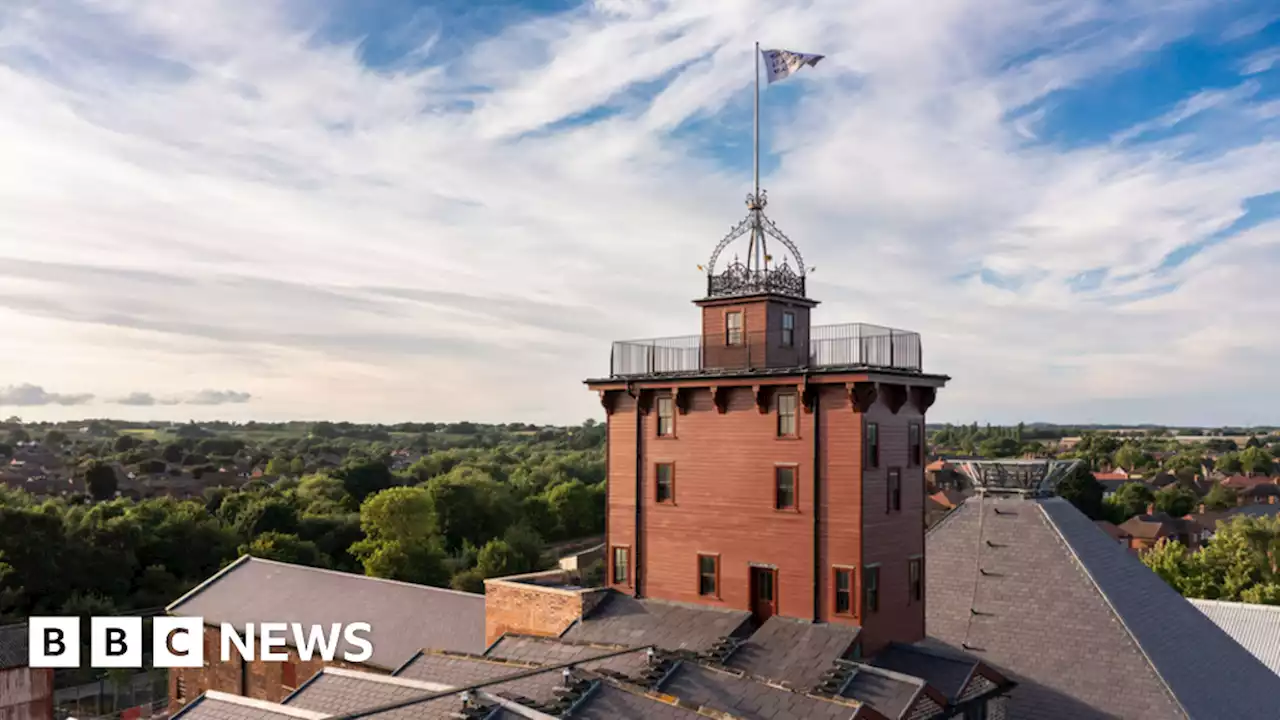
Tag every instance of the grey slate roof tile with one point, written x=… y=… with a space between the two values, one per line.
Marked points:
x=793 y=652
x=700 y=686
x=334 y=693
x=456 y=670
x=889 y=693
x=1078 y=621
x=550 y=651
x=945 y=673
x=611 y=702
x=218 y=706
x=13 y=646
x=1255 y=627
x=404 y=618
x=632 y=622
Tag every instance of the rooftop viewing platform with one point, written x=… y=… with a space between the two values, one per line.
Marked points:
x=824 y=347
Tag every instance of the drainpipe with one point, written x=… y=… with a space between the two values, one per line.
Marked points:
x=817 y=504
x=637 y=572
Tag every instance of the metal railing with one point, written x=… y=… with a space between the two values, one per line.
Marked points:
x=824 y=346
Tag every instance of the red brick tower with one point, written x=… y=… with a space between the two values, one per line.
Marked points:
x=767 y=464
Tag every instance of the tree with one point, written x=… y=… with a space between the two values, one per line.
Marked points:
x=1131 y=457
x=1240 y=564
x=1229 y=462
x=1220 y=498
x=400 y=537
x=297 y=467
x=1132 y=499
x=55 y=437
x=1084 y=491
x=18 y=435
x=999 y=447
x=1256 y=460
x=278 y=466
x=497 y=559
x=101 y=480
x=172 y=453
x=469 y=505
x=125 y=443
x=284 y=548
x=1176 y=500
x=471 y=581
x=362 y=479
x=269 y=515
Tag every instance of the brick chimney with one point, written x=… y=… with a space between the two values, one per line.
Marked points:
x=542 y=603
x=1151 y=508
x=1271 y=499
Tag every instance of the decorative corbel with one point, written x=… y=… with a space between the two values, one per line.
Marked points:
x=923 y=397
x=606 y=400
x=720 y=398
x=643 y=401
x=895 y=396
x=808 y=394
x=862 y=395
x=762 y=398
x=681 y=395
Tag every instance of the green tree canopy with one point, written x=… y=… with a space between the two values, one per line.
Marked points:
x=1220 y=498
x=1176 y=500
x=285 y=548
x=1256 y=460
x=100 y=479
x=1084 y=491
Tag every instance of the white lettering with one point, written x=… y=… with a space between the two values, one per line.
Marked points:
x=353 y=639
x=306 y=644
x=244 y=645
x=273 y=636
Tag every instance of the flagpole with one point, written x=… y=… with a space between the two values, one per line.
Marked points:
x=756 y=124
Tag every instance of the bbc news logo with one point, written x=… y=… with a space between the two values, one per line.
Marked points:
x=117 y=642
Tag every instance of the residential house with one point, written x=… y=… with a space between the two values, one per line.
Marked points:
x=26 y=693
x=1120 y=535
x=1207 y=521
x=1149 y=529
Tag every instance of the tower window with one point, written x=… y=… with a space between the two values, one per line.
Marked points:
x=915 y=573
x=709 y=575
x=871 y=589
x=844 y=591
x=873 y=445
x=893 y=499
x=787 y=415
x=665 y=486
x=784 y=488
x=733 y=328
x=666 y=417
x=788 y=329
x=915 y=448
x=621 y=565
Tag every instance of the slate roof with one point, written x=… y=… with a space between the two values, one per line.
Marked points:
x=404 y=618
x=699 y=686
x=550 y=651
x=1158 y=525
x=795 y=653
x=1078 y=621
x=612 y=702
x=214 y=705
x=889 y=693
x=333 y=691
x=13 y=646
x=455 y=670
x=1255 y=627
x=632 y=622
x=949 y=674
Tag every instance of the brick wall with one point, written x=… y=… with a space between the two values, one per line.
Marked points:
x=524 y=606
x=272 y=681
x=26 y=694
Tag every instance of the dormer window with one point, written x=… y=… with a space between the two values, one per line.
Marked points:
x=733 y=328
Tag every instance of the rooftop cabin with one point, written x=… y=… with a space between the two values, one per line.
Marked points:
x=755 y=320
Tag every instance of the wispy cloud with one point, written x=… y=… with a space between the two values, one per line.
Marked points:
x=27 y=395
x=225 y=195
x=217 y=397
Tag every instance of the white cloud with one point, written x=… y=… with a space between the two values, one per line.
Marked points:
x=27 y=395
x=213 y=197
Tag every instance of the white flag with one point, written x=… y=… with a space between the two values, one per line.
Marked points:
x=779 y=64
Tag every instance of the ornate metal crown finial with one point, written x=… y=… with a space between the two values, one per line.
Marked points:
x=759 y=274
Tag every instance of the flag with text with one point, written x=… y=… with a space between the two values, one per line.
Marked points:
x=779 y=64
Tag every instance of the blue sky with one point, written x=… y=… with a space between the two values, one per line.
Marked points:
x=411 y=210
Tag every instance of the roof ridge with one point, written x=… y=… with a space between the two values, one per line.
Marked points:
x=264 y=705
x=1048 y=520
x=330 y=571
x=207 y=583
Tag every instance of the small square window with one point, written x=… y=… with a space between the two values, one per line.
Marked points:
x=871 y=589
x=893 y=499
x=708 y=575
x=844 y=591
x=915 y=448
x=785 y=488
x=915 y=574
x=621 y=566
x=788 y=329
x=665 y=485
x=733 y=328
x=873 y=445
x=666 y=417
x=787 y=415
